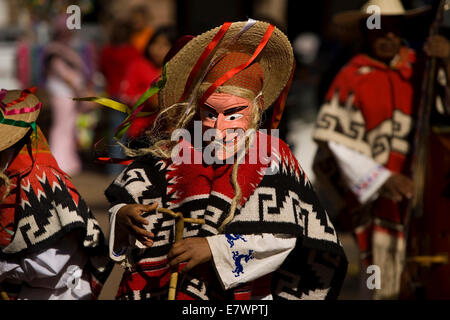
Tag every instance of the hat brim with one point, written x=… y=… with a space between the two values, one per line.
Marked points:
x=353 y=17
x=11 y=134
x=276 y=60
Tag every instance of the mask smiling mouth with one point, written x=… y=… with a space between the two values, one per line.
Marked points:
x=229 y=147
x=231 y=136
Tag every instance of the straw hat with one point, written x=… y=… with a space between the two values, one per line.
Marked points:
x=17 y=99
x=276 y=60
x=387 y=8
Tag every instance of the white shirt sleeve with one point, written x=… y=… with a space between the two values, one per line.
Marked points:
x=121 y=254
x=362 y=174
x=52 y=274
x=242 y=258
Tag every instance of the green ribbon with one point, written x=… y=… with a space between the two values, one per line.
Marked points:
x=19 y=123
x=11 y=233
x=152 y=90
x=123 y=128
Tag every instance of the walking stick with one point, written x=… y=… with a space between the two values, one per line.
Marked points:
x=422 y=132
x=179 y=227
x=3 y=294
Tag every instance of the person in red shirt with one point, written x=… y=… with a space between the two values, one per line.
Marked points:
x=142 y=72
x=116 y=56
x=142 y=31
x=364 y=135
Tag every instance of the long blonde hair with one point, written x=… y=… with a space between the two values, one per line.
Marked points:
x=168 y=119
x=7 y=182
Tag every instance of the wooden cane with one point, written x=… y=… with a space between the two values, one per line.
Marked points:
x=179 y=228
x=427 y=261
x=3 y=294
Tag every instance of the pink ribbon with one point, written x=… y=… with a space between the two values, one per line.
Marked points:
x=18 y=111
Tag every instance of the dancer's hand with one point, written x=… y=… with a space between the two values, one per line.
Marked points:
x=194 y=251
x=438 y=46
x=398 y=187
x=129 y=220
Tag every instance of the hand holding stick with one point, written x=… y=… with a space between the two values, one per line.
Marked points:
x=179 y=228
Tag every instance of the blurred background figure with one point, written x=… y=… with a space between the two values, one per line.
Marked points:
x=116 y=56
x=115 y=59
x=144 y=69
x=365 y=132
x=126 y=63
x=142 y=30
x=142 y=72
x=66 y=77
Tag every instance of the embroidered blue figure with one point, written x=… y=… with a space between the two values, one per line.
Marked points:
x=237 y=261
x=233 y=237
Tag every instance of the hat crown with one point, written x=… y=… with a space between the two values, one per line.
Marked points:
x=17 y=100
x=276 y=60
x=250 y=78
x=387 y=7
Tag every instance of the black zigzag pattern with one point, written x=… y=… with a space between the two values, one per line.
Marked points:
x=42 y=208
x=297 y=274
x=326 y=120
x=193 y=287
x=305 y=192
x=220 y=204
x=190 y=206
x=50 y=203
x=116 y=193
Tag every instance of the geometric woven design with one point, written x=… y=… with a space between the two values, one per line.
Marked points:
x=283 y=202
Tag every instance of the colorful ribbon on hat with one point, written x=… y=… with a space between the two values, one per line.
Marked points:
x=18 y=123
x=216 y=40
x=22 y=124
x=133 y=112
x=234 y=71
x=205 y=54
x=12 y=112
x=107 y=160
x=23 y=95
x=139 y=105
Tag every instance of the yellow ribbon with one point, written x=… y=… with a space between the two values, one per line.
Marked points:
x=113 y=105
x=107 y=103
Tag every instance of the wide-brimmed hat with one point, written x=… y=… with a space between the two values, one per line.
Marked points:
x=387 y=8
x=18 y=113
x=276 y=60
